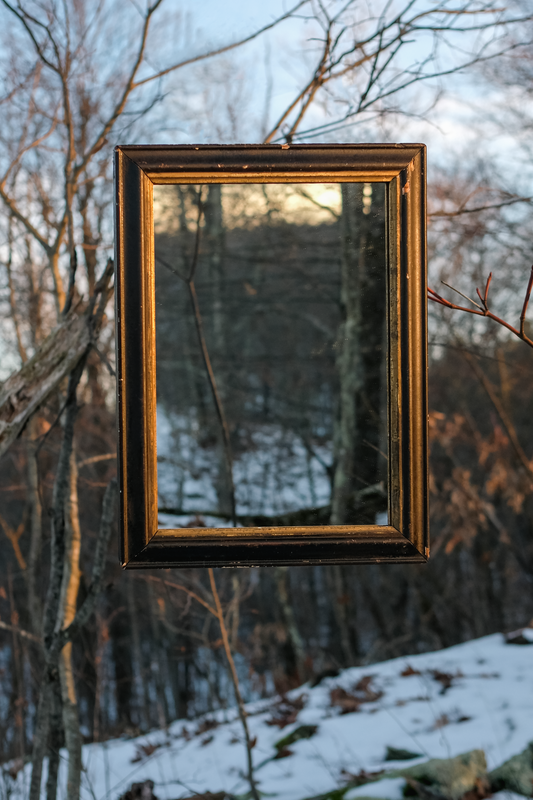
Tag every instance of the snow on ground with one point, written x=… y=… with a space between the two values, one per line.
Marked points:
x=474 y=695
x=275 y=475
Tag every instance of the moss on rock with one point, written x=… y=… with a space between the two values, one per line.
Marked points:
x=516 y=774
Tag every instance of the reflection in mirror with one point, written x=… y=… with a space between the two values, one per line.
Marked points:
x=271 y=337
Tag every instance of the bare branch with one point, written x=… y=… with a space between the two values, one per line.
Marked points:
x=462 y=295
x=526 y=303
x=221 y=50
x=477 y=209
x=184 y=589
x=119 y=107
x=5 y=626
x=10 y=203
x=484 y=311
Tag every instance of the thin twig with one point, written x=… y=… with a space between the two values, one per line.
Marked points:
x=526 y=303
x=236 y=686
x=181 y=588
x=486 y=295
x=5 y=626
x=462 y=295
x=220 y=50
x=207 y=361
x=485 y=311
x=216 y=397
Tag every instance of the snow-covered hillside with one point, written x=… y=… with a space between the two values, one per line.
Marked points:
x=437 y=705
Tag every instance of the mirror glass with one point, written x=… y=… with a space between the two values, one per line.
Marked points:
x=271 y=338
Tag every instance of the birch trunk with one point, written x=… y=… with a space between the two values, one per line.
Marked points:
x=71 y=584
x=52 y=617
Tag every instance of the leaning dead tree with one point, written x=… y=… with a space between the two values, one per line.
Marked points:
x=24 y=392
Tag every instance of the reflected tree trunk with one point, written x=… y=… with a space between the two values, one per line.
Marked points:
x=359 y=459
x=214 y=241
x=348 y=355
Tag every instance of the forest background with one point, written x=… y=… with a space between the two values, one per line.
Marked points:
x=142 y=648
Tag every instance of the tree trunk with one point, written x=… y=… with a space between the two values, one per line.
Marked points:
x=142 y=699
x=361 y=418
x=214 y=238
x=36 y=532
x=340 y=599
x=55 y=741
x=58 y=356
x=287 y=611
x=52 y=617
x=156 y=660
x=40 y=735
x=349 y=361
x=71 y=584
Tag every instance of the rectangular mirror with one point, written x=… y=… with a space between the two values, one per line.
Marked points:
x=271 y=332
x=271 y=354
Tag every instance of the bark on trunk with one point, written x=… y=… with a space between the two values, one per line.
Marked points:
x=55 y=741
x=214 y=239
x=341 y=610
x=71 y=584
x=360 y=429
x=287 y=611
x=156 y=661
x=53 y=598
x=24 y=391
x=348 y=359
x=142 y=699
x=36 y=530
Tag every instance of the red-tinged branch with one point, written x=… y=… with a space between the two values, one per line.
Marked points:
x=484 y=310
x=526 y=303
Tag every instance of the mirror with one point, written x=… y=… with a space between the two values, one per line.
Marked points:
x=271 y=354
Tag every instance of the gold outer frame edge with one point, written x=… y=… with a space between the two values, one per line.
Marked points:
x=403 y=169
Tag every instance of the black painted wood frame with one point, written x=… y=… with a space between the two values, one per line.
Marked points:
x=402 y=167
